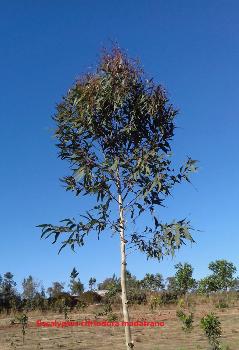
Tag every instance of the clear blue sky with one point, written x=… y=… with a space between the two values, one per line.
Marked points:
x=191 y=47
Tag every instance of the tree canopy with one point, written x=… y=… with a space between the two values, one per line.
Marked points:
x=183 y=281
x=221 y=279
x=114 y=127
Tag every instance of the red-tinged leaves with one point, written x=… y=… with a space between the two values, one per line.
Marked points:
x=115 y=128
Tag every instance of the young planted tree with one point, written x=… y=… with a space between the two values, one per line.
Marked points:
x=23 y=320
x=186 y=319
x=114 y=127
x=211 y=326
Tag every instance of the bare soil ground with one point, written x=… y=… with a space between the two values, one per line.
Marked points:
x=169 y=337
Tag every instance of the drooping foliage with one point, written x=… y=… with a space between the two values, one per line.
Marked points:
x=114 y=127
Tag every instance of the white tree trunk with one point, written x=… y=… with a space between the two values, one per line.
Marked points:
x=128 y=337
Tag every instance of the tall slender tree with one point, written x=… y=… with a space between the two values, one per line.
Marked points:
x=92 y=282
x=76 y=287
x=8 y=292
x=30 y=288
x=114 y=127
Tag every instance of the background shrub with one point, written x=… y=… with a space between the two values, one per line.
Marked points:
x=212 y=329
x=90 y=297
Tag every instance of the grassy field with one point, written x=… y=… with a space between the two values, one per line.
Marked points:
x=169 y=337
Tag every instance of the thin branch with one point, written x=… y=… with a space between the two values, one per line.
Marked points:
x=128 y=204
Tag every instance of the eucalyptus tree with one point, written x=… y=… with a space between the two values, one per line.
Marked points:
x=76 y=287
x=92 y=282
x=8 y=285
x=114 y=127
x=8 y=293
x=56 y=289
x=30 y=291
x=30 y=288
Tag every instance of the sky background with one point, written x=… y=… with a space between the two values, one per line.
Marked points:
x=192 y=48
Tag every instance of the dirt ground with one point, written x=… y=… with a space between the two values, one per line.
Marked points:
x=169 y=337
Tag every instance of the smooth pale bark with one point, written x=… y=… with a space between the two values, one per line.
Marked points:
x=128 y=337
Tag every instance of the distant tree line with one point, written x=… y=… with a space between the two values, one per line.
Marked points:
x=34 y=296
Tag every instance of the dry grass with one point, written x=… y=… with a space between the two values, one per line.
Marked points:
x=169 y=337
